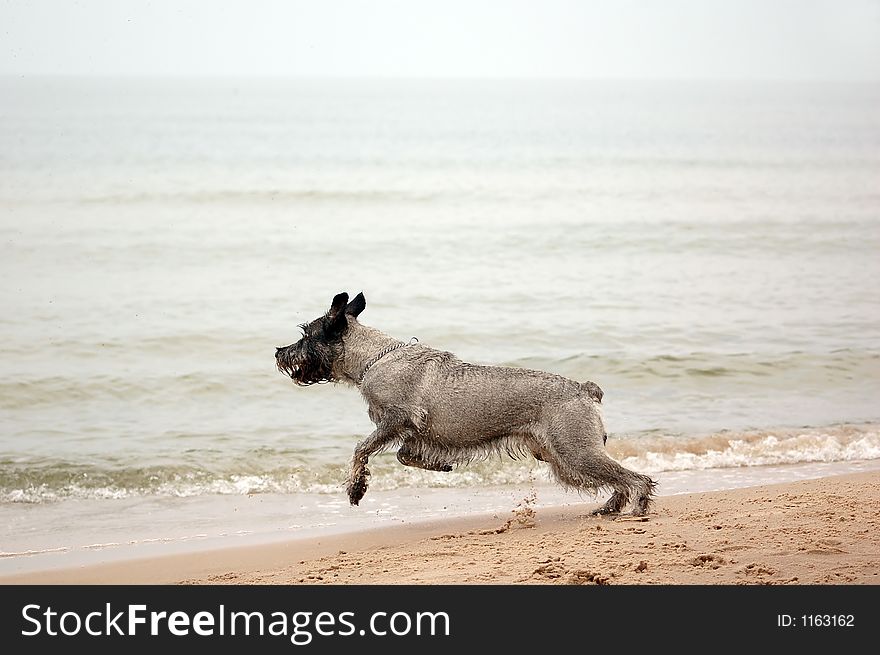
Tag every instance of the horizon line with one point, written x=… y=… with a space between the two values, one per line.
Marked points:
x=434 y=78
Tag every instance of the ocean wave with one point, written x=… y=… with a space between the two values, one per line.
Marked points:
x=59 y=390
x=46 y=482
x=757 y=448
x=696 y=367
x=225 y=196
x=209 y=380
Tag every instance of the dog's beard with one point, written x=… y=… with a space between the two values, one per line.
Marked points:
x=284 y=365
x=304 y=371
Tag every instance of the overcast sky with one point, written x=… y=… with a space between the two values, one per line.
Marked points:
x=740 y=39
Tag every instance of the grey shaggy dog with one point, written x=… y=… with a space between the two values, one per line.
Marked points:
x=439 y=411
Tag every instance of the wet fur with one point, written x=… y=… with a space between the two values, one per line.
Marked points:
x=441 y=412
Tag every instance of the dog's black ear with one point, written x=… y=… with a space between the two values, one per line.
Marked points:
x=340 y=300
x=356 y=306
x=336 y=322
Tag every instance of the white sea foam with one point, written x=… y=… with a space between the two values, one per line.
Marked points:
x=757 y=449
x=652 y=454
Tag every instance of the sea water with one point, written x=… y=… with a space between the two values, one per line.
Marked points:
x=706 y=252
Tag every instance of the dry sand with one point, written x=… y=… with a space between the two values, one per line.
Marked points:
x=821 y=531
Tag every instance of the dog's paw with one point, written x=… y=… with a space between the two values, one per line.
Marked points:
x=357 y=488
x=357 y=491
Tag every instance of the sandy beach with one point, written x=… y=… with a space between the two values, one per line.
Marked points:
x=822 y=531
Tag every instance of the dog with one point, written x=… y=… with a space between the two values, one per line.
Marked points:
x=440 y=412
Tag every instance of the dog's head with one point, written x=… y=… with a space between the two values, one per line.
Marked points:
x=310 y=360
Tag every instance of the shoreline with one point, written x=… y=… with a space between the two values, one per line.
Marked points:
x=81 y=533
x=816 y=531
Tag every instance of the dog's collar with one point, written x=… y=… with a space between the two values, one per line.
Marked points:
x=389 y=349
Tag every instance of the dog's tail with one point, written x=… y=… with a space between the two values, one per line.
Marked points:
x=593 y=391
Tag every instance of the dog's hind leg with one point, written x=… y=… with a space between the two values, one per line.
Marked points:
x=409 y=455
x=579 y=460
x=392 y=426
x=594 y=471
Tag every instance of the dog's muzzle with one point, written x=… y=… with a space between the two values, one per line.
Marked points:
x=284 y=365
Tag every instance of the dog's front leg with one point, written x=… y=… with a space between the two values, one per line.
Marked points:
x=387 y=430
